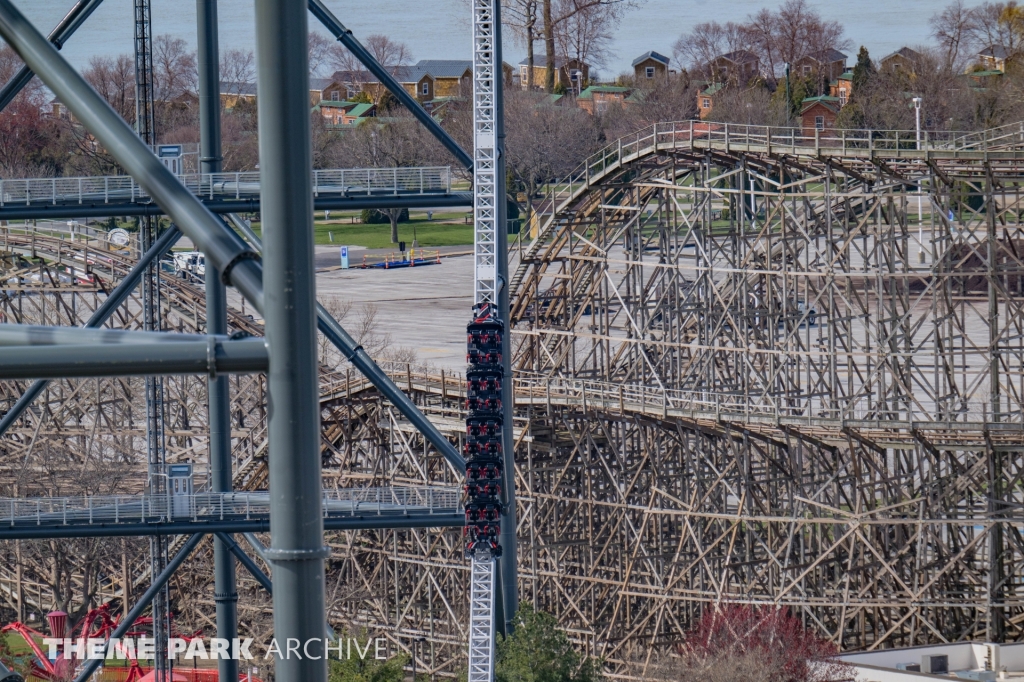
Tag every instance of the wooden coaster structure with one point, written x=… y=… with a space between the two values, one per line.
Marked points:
x=735 y=380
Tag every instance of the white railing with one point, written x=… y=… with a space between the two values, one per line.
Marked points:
x=740 y=137
x=700 y=403
x=124 y=188
x=55 y=511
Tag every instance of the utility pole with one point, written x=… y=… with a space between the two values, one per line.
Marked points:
x=145 y=126
x=789 y=105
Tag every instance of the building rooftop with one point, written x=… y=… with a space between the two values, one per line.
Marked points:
x=963 y=660
x=237 y=88
x=739 y=56
x=610 y=89
x=995 y=52
x=906 y=52
x=651 y=55
x=830 y=55
x=445 y=68
x=825 y=100
x=320 y=84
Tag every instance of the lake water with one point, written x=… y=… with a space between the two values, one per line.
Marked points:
x=439 y=29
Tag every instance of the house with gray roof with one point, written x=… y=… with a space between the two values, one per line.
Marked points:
x=650 y=67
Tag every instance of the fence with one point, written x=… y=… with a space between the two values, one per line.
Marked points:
x=207 y=506
x=124 y=188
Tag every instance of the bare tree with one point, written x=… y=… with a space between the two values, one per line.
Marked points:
x=555 y=12
x=953 y=28
x=114 y=79
x=320 y=47
x=585 y=34
x=998 y=24
x=397 y=141
x=175 y=85
x=237 y=67
x=366 y=328
x=521 y=17
x=697 y=49
x=175 y=71
x=10 y=64
x=392 y=54
x=795 y=31
x=30 y=144
x=544 y=142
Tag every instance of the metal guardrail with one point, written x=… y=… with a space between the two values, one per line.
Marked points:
x=114 y=509
x=353 y=182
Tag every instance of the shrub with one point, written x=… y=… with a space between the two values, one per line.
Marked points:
x=732 y=638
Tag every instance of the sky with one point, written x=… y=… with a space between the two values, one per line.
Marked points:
x=440 y=29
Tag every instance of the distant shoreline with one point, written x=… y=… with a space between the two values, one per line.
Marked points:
x=439 y=29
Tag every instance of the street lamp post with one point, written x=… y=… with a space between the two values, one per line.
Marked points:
x=920 y=216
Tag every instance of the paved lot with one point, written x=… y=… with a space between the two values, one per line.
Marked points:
x=424 y=308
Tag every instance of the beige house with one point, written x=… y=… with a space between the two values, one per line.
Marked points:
x=829 y=65
x=735 y=67
x=996 y=58
x=903 y=59
x=650 y=68
x=571 y=74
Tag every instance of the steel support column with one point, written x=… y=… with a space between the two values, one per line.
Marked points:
x=223 y=248
x=508 y=563
x=297 y=548
x=229 y=543
x=218 y=388
x=362 y=361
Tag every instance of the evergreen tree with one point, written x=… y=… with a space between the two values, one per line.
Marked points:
x=353 y=667
x=864 y=69
x=539 y=651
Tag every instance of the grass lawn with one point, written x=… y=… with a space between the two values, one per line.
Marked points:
x=17 y=644
x=446 y=229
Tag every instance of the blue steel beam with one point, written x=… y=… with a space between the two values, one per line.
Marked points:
x=102 y=210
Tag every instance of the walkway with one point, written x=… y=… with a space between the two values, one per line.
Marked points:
x=235 y=512
x=121 y=189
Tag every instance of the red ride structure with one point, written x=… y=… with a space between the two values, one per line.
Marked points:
x=99 y=623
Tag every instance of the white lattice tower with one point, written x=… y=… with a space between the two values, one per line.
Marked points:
x=485 y=213
x=481 y=619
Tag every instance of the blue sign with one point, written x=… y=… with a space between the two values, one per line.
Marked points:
x=344 y=258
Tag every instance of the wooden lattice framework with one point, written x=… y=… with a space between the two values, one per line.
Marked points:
x=737 y=379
